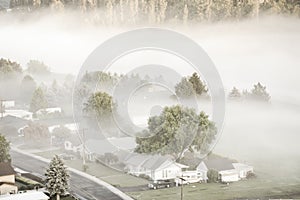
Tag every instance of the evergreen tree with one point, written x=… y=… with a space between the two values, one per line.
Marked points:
x=38 y=100
x=259 y=92
x=198 y=85
x=4 y=150
x=37 y=67
x=57 y=178
x=184 y=88
x=27 y=87
x=235 y=93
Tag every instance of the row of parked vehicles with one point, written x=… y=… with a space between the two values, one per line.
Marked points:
x=186 y=178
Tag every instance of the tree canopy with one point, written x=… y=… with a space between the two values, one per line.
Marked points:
x=37 y=67
x=184 y=88
x=198 y=86
x=160 y=11
x=8 y=67
x=4 y=149
x=189 y=86
x=234 y=93
x=38 y=100
x=37 y=134
x=176 y=130
x=57 y=178
x=99 y=104
x=259 y=92
x=28 y=86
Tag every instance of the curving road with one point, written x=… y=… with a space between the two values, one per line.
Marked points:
x=84 y=188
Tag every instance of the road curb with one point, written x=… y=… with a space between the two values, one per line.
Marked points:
x=80 y=173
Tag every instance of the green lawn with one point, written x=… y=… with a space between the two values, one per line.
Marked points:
x=107 y=174
x=49 y=154
x=242 y=189
x=264 y=186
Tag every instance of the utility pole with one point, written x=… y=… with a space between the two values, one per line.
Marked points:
x=181 y=188
x=2 y=108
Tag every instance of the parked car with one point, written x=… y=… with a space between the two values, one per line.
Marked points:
x=161 y=184
x=65 y=156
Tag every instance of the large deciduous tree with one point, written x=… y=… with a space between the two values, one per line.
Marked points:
x=57 y=178
x=4 y=149
x=37 y=67
x=175 y=131
x=99 y=104
x=36 y=134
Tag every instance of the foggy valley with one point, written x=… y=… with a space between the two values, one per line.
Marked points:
x=264 y=135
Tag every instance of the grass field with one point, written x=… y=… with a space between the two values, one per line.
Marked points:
x=114 y=177
x=250 y=189
x=107 y=174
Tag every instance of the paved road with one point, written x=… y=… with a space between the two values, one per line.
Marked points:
x=78 y=184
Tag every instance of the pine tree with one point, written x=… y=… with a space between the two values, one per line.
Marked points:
x=198 y=85
x=4 y=149
x=235 y=94
x=259 y=92
x=57 y=178
x=38 y=100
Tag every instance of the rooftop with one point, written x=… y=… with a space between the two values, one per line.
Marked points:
x=219 y=164
x=6 y=169
x=29 y=195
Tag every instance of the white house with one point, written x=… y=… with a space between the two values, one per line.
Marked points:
x=46 y=111
x=23 y=114
x=228 y=170
x=157 y=167
x=73 y=127
x=243 y=169
x=8 y=104
x=28 y=195
x=73 y=144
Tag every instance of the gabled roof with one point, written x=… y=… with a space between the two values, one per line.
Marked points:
x=155 y=161
x=6 y=169
x=13 y=121
x=100 y=147
x=219 y=164
x=126 y=143
x=136 y=159
x=29 y=195
x=6 y=183
x=150 y=162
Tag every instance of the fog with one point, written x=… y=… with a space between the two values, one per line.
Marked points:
x=264 y=135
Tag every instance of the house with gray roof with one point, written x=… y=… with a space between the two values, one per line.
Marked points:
x=156 y=167
x=228 y=170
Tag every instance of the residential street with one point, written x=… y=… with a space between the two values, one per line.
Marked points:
x=79 y=185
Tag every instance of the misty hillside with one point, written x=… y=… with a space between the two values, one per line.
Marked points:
x=111 y=12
